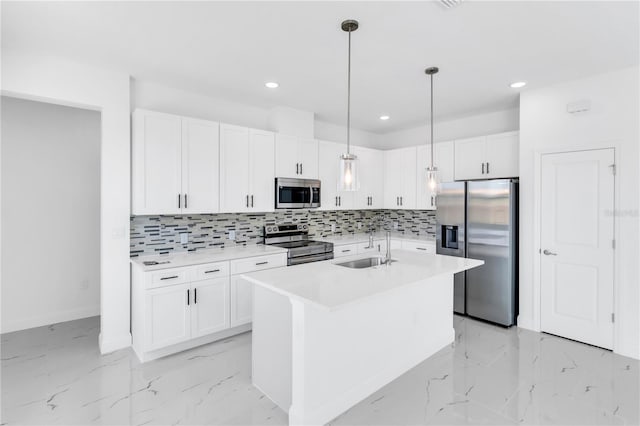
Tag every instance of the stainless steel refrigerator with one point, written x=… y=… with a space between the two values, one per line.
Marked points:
x=479 y=220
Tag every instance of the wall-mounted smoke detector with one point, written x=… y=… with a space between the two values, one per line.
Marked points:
x=450 y=4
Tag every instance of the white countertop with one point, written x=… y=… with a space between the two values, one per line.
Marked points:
x=204 y=256
x=364 y=237
x=331 y=286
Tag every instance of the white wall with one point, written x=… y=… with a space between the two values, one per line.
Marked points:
x=50 y=213
x=545 y=126
x=446 y=130
x=59 y=81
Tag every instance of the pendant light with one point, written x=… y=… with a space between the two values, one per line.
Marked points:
x=348 y=163
x=432 y=171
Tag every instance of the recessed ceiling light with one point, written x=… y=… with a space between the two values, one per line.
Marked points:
x=518 y=84
x=384 y=117
x=271 y=84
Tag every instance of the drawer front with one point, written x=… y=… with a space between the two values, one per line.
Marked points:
x=210 y=270
x=258 y=263
x=167 y=277
x=425 y=247
x=345 y=250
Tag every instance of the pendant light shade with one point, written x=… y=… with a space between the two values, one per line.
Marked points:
x=432 y=171
x=348 y=163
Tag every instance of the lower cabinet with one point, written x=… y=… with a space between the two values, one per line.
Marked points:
x=168 y=319
x=241 y=301
x=209 y=306
x=345 y=250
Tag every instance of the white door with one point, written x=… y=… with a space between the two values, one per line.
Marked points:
x=409 y=178
x=328 y=159
x=261 y=170
x=392 y=178
x=234 y=169
x=371 y=179
x=577 y=201
x=200 y=163
x=157 y=165
x=210 y=306
x=287 y=163
x=241 y=301
x=168 y=318
x=308 y=158
x=502 y=155
x=425 y=197
x=470 y=158
x=443 y=154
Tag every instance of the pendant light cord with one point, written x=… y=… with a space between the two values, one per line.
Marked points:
x=431 y=120
x=349 y=97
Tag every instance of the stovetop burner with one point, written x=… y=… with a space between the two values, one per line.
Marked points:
x=295 y=238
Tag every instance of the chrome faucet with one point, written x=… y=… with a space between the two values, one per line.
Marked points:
x=387 y=258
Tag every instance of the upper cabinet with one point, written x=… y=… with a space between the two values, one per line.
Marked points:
x=174 y=164
x=371 y=176
x=296 y=157
x=400 y=178
x=330 y=198
x=247 y=172
x=425 y=197
x=487 y=157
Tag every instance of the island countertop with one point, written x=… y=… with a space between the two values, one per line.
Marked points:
x=332 y=286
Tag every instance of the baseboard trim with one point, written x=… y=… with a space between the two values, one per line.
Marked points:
x=113 y=343
x=9 y=326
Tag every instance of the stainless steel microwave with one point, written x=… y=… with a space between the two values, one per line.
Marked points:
x=297 y=193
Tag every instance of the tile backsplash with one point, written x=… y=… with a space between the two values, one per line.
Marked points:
x=161 y=234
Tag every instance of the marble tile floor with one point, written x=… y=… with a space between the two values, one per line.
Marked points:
x=55 y=376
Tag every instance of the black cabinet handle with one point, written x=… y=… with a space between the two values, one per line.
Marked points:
x=336 y=201
x=339 y=200
x=212 y=271
x=297 y=168
x=346 y=251
x=169 y=278
x=195 y=296
x=185 y=201
x=252 y=201
x=400 y=200
x=482 y=168
x=261 y=263
x=300 y=168
x=187 y=297
x=487 y=168
x=247 y=201
x=421 y=248
x=397 y=201
x=179 y=200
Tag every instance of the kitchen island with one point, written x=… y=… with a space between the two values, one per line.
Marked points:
x=326 y=336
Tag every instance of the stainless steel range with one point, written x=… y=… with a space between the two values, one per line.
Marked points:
x=295 y=238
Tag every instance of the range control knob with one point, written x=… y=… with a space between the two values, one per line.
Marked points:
x=305 y=227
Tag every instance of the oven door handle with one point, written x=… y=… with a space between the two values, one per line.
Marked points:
x=310 y=195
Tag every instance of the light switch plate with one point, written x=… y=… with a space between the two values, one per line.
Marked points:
x=232 y=235
x=184 y=238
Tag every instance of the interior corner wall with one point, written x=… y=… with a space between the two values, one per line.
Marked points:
x=459 y=128
x=50 y=213
x=613 y=121
x=43 y=78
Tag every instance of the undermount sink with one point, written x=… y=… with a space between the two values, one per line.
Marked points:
x=364 y=263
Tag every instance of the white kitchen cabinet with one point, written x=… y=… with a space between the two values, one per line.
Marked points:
x=443 y=153
x=209 y=306
x=168 y=317
x=425 y=197
x=241 y=301
x=246 y=169
x=296 y=157
x=400 y=178
x=328 y=158
x=370 y=195
x=487 y=157
x=419 y=246
x=345 y=250
x=174 y=164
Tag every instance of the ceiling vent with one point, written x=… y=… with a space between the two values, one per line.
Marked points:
x=450 y=4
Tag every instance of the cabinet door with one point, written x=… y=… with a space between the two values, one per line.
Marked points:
x=328 y=159
x=371 y=191
x=210 y=306
x=234 y=168
x=168 y=319
x=443 y=154
x=200 y=166
x=156 y=167
x=287 y=163
x=345 y=250
x=241 y=301
x=409 y=176
x=425 y=197
x=392 y=178
x=308 y=158
x=503 y=155
x=469 y=158
x=261 y=170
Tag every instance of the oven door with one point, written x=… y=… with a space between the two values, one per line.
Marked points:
x=297 y=193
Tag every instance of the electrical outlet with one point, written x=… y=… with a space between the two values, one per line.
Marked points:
x=333 y=227
x=359 y=225
x=395 y=225
x=184 y=238
x=232 y=235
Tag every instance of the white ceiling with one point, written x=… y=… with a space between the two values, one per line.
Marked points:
x=229 y=49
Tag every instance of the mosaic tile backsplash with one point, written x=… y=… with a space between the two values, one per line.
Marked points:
x=161 y=234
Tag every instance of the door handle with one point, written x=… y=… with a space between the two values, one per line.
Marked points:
x=297 y=168
x=336 y=201
x=195 y=296
x=549 y=253
x=187 y=297
x=300 y=168
x=400 y=200
x=339 y=200
x=432 y=201
x=487 y=168
x=247 y=201
x=251 y=201
x=397 y=201
x=482 y=168
x=185 y=201
x=179 y=197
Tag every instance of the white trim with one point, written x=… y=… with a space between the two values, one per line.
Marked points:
x=50 y=318
x=114 y=343
x=534 y=322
